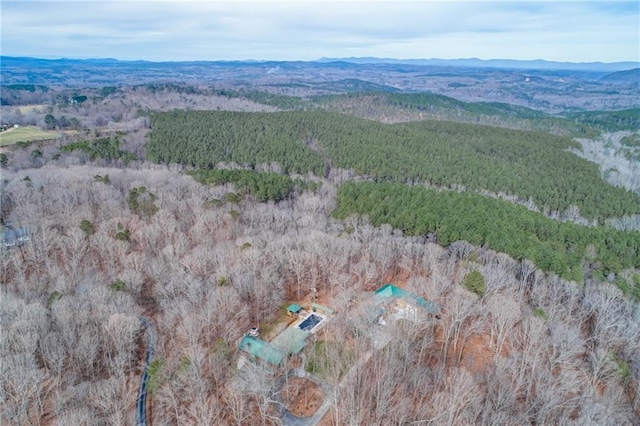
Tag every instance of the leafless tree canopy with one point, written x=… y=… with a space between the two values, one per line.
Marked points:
x=533 y=350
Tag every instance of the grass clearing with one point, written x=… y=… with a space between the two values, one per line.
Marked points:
x=24 y=109
x=25 y=134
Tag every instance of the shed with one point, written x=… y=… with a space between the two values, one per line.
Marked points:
x=294 y=309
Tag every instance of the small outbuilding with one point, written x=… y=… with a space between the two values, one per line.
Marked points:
x=294 y=309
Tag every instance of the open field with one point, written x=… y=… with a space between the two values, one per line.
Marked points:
x=25 y=134
x=24 y=109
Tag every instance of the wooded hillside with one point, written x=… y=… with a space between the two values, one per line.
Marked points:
x=528 y=165
x=531 y=349
x=524 y=300
x=566 y=249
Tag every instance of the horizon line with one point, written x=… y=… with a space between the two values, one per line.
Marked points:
x=321 y=59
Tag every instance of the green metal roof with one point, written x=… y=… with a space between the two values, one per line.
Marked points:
x=291 y=340
x=390 y=290
x=322 y=308
x=294 y=308
x=261 y=349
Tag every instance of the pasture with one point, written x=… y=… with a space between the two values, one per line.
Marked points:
x=25 y=134
x=24 y=109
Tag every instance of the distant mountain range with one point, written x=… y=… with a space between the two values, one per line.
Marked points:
x=538 y=64
x=623 y=76
x=542 y=85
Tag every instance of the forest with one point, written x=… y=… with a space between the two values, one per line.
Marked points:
x=529 y=165
x=264 y=186
x=194 y=214
x=533 y=349
x=106 y=148
x=566 y=249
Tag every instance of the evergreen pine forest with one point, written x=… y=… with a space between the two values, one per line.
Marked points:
x=422 y=178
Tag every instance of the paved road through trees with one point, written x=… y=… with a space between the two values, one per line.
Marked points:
x=141 y=405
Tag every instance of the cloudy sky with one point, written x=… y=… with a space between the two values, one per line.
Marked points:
x=585 y=31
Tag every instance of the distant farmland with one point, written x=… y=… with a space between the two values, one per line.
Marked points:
x=24 y=109
x=25 y=134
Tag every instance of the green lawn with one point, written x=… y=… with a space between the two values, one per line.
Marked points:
x=25 y=134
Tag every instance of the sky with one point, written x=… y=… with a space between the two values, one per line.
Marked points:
x=557 y=30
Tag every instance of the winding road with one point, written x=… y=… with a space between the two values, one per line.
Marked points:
x=141 y=404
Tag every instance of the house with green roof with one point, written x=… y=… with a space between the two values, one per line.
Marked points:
x=389 y=292
x=261 y=349
x=291 y=341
